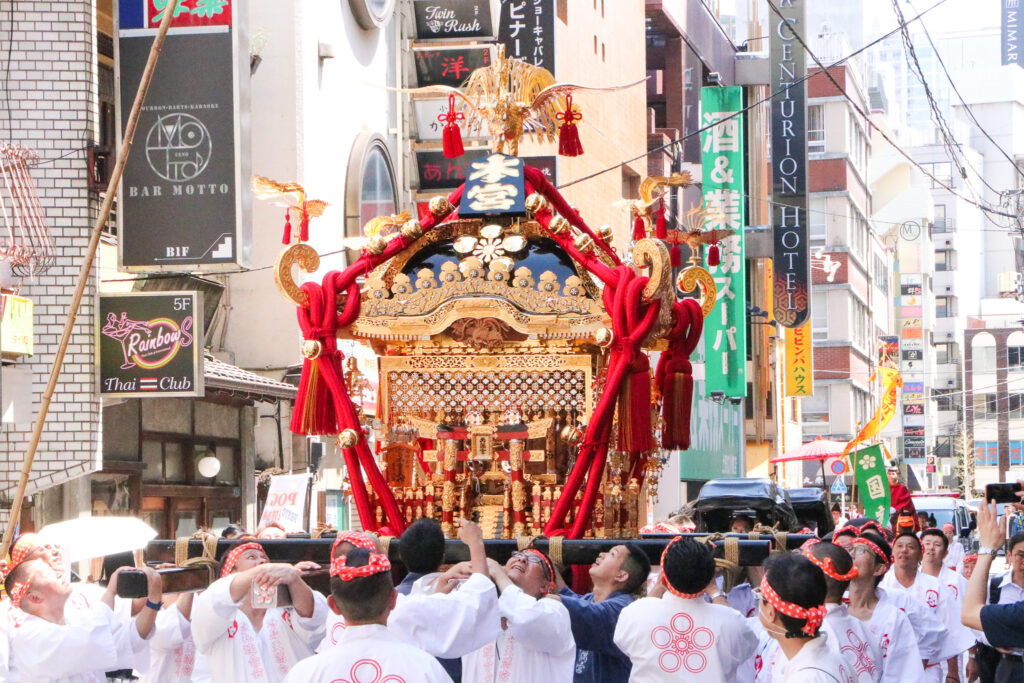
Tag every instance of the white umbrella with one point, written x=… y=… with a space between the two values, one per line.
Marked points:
x=87 y=537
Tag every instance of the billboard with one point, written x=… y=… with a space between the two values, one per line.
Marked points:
x=185 y=202
x=725 y=330
x=150 y=344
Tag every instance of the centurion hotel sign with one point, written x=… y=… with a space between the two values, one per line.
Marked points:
x=791 y=261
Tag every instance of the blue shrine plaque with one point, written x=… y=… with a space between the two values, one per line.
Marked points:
x=494 y=185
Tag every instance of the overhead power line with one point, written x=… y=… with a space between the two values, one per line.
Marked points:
x=860 y=111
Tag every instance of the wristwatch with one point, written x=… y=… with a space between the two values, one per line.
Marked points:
x=983 y=550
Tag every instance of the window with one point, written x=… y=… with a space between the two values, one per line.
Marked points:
x=818 y=219
x=942 y=173
x=1015 y=358
x=1016 y=407
x=819 y=316
x=985 y=406
x=858 y=145
x=984 y=358
x=369 y=185
x=945 y=260
x=946 y=353
x=945 y=306
x=815 y=408
x=880 y=274
x=815 y=128
x=940 y=224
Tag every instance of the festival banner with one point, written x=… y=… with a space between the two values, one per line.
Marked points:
x=799 y=361
x=725 y=330
x=869 y=473
x=891 y=380
x=286 y=502
x=150 y=344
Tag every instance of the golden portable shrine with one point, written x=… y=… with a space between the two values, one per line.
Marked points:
x=512 y=340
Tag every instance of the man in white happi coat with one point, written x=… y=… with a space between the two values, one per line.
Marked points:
x=446 y=619
x=362 y=590
x=60 y=635
x=172 y=652
x=906 y=577
x=881 y=612
x=847 y=636
x=679 y=633
x=934 y=550
x=534 y=641
x=955 y=552
x=238 y=641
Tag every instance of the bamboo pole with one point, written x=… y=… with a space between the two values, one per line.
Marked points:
x=83 y=274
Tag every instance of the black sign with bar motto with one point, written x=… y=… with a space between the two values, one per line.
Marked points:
x=185 y=201
x=449 y=66
x=150 y=344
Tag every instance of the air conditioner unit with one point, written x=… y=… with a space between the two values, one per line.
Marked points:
x=949 y=243
x=949 y=288
x=950 y=382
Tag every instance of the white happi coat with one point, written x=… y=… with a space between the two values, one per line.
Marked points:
x=847 y=637
x=232 y=650
x=897 y=639
x=172 y=652
x=443 y=625
x=928 y=593
x=954 y=557
x=534 y=645
x=817 y=662
x=369 y=653
x=92 y=641
x=669 y=637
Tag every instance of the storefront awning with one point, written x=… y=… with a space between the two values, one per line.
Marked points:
x=231 y=378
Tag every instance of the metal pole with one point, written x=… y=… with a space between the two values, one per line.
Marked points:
x=83 y=274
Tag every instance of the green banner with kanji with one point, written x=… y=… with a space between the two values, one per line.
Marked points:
x=869 y=472
x=725 y=330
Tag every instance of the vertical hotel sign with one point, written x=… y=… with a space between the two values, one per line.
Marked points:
x=725 y=330
x=1010 y=35
x=792 y=285
x=185 y=202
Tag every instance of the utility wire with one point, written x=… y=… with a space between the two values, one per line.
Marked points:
x=860 y=111
x=750 y=106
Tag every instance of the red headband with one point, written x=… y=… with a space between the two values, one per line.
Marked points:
x=860 y=540
x=18 y=592
x=232 y=557
x=668 y=586
x=546 y=561
x=813 y=615
x=378 y=563
x=971 y=559
x=825 y=563
x=354 y=538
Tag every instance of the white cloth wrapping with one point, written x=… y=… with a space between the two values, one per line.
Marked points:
x=369 y=653
x=536 y=645
x=443 y=625
x=669 y=637
x=233 y=650
x=172 y=652
x=817 y=662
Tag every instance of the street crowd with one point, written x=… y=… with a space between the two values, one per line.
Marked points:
x=865 y=604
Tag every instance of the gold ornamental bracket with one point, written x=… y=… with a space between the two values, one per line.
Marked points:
x=695 y=276
x=653 y=254
x=303 y=256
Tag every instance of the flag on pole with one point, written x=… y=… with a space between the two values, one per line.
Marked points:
x=891 y=380
x=869 y=473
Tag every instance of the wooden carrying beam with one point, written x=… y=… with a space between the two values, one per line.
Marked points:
x=752 y=552
x=131 y=583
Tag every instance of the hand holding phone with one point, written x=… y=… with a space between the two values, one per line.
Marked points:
x=1003 y=493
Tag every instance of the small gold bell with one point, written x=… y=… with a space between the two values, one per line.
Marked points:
x=604 y=337
x=376 y=245
x=311 y=349
x=558 y=225
x=412 y=229
x=348 y=438
x=440 y=207
x=536 y=202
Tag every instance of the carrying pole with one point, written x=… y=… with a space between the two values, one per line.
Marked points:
x=83 y=274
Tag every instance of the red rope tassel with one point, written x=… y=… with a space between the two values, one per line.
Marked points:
x=676 y=254
x=568 y=133
x=714 y=256
x=287 y=237
x=635 y=408
x=660 y=229
x=639 y=229
x=304 y=225
x=451 y=137
x=674 y=378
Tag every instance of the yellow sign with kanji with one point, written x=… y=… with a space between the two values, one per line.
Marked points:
x=799 y=361
x=16 y=325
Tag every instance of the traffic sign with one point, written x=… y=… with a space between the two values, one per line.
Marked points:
x=838 y=467
x=838 y=487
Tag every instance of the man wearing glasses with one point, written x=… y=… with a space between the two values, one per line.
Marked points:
x=535 y=642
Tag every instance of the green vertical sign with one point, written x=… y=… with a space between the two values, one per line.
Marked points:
x=725 y=330
x=873 y=483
